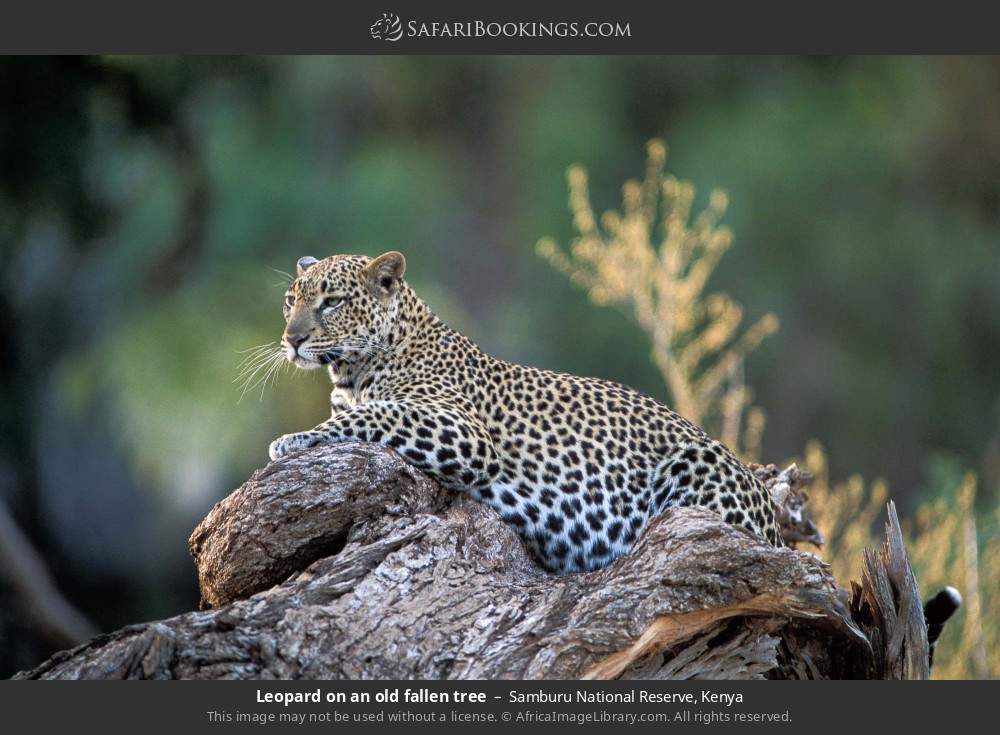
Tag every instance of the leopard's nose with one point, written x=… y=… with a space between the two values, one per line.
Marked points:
x=295 y=340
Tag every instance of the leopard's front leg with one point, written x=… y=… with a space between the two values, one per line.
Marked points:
x=445 y=442
x=341 y=401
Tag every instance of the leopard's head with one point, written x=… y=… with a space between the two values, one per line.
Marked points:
x=341 y=308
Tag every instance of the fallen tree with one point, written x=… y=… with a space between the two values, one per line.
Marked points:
x=345 y=562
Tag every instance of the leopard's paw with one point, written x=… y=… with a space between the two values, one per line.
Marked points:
x=290 y=443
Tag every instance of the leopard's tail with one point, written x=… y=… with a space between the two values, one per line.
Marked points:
x=937 y=611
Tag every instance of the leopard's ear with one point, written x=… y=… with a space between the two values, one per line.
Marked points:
x=305 y=263
x=385 y=273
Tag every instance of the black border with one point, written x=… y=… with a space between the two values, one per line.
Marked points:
x=339 y=26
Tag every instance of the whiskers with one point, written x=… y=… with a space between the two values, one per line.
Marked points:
x=260 y=367
x=286 y=278
x=264 y=363
x=362 y=347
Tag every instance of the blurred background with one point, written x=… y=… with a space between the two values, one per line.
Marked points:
x=144 y=203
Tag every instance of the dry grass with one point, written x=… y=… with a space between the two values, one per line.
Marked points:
x=655 y=259
x=945 y=547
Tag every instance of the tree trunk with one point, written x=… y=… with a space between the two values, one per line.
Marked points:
x=345 y=562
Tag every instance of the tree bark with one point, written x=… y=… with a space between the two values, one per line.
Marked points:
x=344 y=561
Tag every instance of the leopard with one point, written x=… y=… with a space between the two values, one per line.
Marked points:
x=577 y=466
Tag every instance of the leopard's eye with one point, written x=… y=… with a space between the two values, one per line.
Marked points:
x=289 y=300
x=331 y=301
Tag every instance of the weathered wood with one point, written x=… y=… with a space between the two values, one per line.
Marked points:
x=345 y=562
x=788 y=491
x=888 y=607
x=295 y=511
